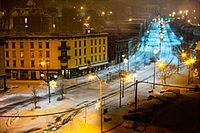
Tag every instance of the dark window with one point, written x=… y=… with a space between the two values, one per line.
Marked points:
x=84 y=42
x=63 y=44
x=14 y=54
x=32 y=44
x=91 y=42
x=22 y=63
x=47 y=44
x=40 y=44
x=91 y=58
x=104 y=57
x=91 y=50
x=85 y=60
x=7 y=53
x=99 y=57
x=14 y=63
x=95 y=50
x=76 y=62
x=32 y=54
x=79 y=52
x=75 y=44
x=79 y=43
x=84 y=51
x=80 y=61
x=95 y=58
x=13 y=44
x=47 y=54
x=6 y=44
x=40 y=54
x=95 y=41
x=99 y=41
x=99 y=49
x=32 y=63
x=104 y=41
x=75 y=52
x=21 y=45
x=7 y=63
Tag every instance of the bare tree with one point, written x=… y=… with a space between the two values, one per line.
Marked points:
x=34 y=97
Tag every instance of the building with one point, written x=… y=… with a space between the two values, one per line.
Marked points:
x=198 y=57
x=2 y=65
x=32 y=57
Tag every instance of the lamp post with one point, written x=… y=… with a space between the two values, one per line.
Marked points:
x=189 y=63
x=47 y=78
x=154 y=68
x=100 y=99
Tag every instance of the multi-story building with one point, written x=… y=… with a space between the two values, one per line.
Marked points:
x=30 y=57
x=2 y=66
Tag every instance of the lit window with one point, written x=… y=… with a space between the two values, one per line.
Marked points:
x=25 y=20
x=32 y=44
x=21 y=54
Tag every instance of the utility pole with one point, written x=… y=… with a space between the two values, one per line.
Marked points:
x=136 y=87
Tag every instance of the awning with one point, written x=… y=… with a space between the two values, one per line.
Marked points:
x=93 y=65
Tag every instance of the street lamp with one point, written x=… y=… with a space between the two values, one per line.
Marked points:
x=126 y=62
x=100 y=98
x=189 y=63
x=154 y=70
x=162 y=67
x=47 y=77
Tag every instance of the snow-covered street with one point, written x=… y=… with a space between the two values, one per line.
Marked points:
x=81 y=94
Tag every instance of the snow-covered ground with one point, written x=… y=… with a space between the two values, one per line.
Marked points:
x=82 y=93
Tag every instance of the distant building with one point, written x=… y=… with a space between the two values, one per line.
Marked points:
x=198 y=57
x=30 y=57
x=2 y=65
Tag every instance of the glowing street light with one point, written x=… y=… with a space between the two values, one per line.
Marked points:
x=99 y=105
x=189 y=62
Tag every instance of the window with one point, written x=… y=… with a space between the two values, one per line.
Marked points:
x=76 y=62
x=91 y=50
x=21 y=45
x=22 y=63
x=84 y=51
x=7 y=54
x=99 y=41
x=47 y=54
x=32 y=44
x=6 y=44
x=75 y=44
x=32 y=54
x=47 y=44
x=79 y=52
x=63 y=44
x=39 y=44
x=40 y=54
x=104 y=57
x=99 y=57
x=80 y=61
x=79 y=43
x=32 y=63
x=91 y=58
x=14 y=63
x=75 y=52
x=95 y=50
x=7 y=63
x=63 y=53
x=14 y=54
x=84 y=43
x=85 y=60
x=104 y=49
x=13 y=44
x=21 y=54
x=95 y=41
x=95 y=58
x=104 y=41
x=91 y=42
x=99 y=49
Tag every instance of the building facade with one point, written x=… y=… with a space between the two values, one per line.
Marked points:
x=2 y=65
x=35 y=57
